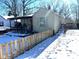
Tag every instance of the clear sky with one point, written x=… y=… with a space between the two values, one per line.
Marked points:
x=3 y=10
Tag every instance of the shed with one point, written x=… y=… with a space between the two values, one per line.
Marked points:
x=45 y=19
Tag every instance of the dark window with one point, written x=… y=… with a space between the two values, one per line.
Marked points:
x=1 y=23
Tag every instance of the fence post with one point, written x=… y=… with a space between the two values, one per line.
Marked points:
x=41 y=35
x=1 y=53
x=37 y=38
x=18 y=42
x=23 y=45
x=30 y=41
x=26 y=44
x=44 y=34
x=6 y=50
x=20 y=46
x=34 y=38
x=11 y=49
x=16 y=47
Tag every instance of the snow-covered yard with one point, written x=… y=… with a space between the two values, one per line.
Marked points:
x=66 y=46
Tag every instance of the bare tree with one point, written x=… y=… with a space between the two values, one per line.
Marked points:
x=77 y=14
x=17 y=8
x=26 y=6
x=12 y=6
x=77 y=9
x=55 y=4
x=65 y=11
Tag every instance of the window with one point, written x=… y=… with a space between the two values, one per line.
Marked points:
x=1 y=23
x=42 y=21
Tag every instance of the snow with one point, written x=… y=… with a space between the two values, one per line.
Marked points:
x=6 y=17
x=8 y=37
x=30 y=15
x=3 y=28
x=17 y=34
x=37 y=50
x=65 y=47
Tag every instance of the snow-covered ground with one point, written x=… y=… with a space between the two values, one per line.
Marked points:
x=6 y=39
x=66 y=46
x=10 y=36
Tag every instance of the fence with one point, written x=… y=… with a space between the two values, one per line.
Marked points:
x=17 y=47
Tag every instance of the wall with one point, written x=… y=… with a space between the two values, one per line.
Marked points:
x=39 y=24
x=57 y=22
x=6 y=22
x=45 y=19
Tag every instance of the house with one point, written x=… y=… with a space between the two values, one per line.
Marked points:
x=4 y=22
x=4 y=25
x=45 y=19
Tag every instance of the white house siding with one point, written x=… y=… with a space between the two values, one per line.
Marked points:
x=45 y=19
x=49 y=20
x=39 y=20
x=57 y=22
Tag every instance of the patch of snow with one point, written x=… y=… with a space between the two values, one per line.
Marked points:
x=6 y=17
x=30 y=15
x=8 y=37
x=2 y=28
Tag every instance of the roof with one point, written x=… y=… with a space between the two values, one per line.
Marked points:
x=6 y=17
x=21 y=17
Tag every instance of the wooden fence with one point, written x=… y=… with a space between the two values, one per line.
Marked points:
x=19 y=46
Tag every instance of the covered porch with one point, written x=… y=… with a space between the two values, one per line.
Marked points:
x=22 y=24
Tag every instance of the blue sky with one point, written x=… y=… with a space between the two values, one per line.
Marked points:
x=3 y=10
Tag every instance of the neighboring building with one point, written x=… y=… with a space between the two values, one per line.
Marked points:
x=4 y=22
